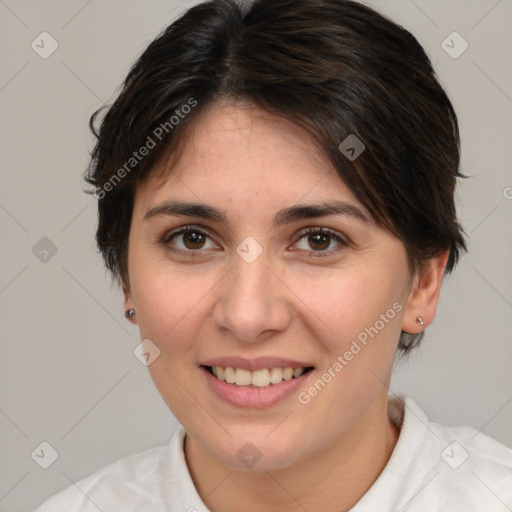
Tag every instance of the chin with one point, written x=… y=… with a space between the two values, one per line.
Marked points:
x=258 y=453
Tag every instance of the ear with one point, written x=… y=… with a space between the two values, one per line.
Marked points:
x=424 y=295
x=128 y=302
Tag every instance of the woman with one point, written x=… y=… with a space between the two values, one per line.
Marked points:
x=275 y=188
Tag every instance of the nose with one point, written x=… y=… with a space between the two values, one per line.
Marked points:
x=253 y=301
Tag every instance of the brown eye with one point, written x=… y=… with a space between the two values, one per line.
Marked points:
x=186 y=240
x=319 y=239
x=193 y=239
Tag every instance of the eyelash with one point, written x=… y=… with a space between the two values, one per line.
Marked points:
x=303 y=233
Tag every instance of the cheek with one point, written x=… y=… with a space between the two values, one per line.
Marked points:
x=336 y=304
x=345 y=303
x=169 y=302
x=170 y=306
x=357 y=317
x=162 y=305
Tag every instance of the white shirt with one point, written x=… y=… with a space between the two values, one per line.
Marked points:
x=433 y=468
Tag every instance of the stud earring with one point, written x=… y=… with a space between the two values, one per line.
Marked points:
x=419 y=320
x=130 y=313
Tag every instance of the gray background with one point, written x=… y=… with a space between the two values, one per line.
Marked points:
x=67 y=369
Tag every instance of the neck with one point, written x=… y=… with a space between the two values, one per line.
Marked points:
x=335 y=479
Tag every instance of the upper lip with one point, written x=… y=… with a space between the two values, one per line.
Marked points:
x=257 y=363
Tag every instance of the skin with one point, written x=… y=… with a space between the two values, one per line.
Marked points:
x=323 y=455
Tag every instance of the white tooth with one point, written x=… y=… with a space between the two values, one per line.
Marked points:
x=242 y=377
x=261 y=378
x=297 y=372
x=276 y=375
x=229 y=375
x=287 y=373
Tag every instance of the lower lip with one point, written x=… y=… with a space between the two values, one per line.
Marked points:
x=253 y=398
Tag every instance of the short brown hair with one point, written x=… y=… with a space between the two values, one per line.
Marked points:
x=337 y=68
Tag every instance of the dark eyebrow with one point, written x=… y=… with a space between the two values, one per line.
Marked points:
x=284 y=216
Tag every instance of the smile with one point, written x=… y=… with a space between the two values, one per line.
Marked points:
x=261 y=378
x=273 y=385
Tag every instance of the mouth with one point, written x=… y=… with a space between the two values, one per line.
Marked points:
x=258 y=383
x=261 y=378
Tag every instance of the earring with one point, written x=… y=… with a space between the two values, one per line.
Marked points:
x=130 y=313
x=419 y=320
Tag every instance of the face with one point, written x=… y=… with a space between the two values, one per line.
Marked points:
x=264 y=291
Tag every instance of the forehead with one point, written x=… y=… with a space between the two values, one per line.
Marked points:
x=242 y=158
